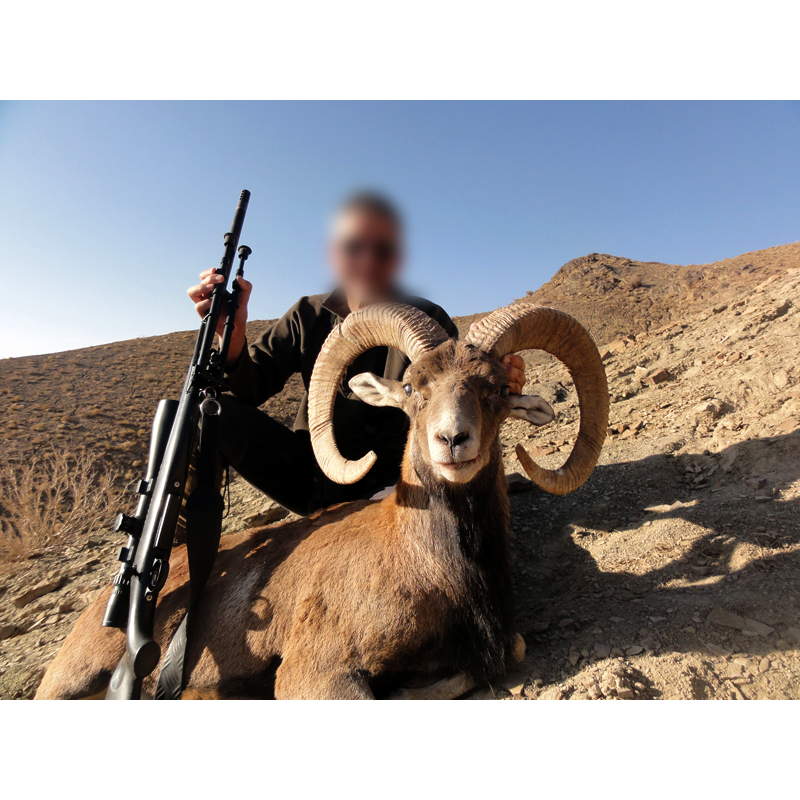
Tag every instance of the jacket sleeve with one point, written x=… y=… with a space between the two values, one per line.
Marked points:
x=264 y=366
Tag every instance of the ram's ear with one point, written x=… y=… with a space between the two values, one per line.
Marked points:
x=378 y=391
x=531 y=408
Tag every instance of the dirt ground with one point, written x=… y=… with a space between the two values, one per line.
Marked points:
x=674 y=572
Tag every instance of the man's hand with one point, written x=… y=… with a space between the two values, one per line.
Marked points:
x=201 y=297
x=515 y=367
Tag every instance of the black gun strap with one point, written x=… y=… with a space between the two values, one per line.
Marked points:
x=204 y=509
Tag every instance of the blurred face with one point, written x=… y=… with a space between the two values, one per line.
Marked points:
x=365 y=255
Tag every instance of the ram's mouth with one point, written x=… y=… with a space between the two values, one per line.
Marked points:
x=457 y=466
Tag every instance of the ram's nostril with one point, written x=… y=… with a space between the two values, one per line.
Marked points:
x=453 y=441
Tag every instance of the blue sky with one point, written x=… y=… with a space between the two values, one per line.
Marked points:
x=109 y=210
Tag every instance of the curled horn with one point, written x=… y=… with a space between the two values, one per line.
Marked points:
x=529 y=327
x=394 y=325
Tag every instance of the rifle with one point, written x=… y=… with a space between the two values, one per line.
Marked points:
x=151 y=529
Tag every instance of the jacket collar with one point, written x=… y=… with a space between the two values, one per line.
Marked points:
x=335 y=303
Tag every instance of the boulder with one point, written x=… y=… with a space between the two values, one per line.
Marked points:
x=45 y=587
x=659 y=376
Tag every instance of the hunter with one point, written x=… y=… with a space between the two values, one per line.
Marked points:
x=365 y=252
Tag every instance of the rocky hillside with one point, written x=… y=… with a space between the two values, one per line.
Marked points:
x=674 y=572
x=615 y=296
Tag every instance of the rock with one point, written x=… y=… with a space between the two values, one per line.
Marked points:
x=45 y=587
x=552 y=694
x=618 y=346
x=623 y=689
x=617 y=652
x=514 y=683
x=595 y=692
x=657 y=619
x=574 y=658
x=718 y=649
x=778 y=310
x=712 y=407
x=542 y=450
x=659 y=376
x=787 y=426
x=759 y=627
x=38 y=608
x=634 y=650
x=602 y=650
x=780 y=378
x=9 y=631
x=719 y=616
x=793 y=635
x=733 y=670
x=764 y=498
x=266 y=516
x=729 y=458
x=763 y=665
x=755 y=483
x=518 y=483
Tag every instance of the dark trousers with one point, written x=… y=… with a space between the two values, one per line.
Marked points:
x=281 y=462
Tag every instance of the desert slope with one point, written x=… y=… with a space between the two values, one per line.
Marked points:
x=674 y=572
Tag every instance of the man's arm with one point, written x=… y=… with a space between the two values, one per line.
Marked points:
x=263 y=368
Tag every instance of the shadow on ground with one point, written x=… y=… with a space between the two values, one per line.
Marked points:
x=597 y=567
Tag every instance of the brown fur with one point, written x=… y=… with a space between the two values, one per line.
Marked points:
x=352 y=601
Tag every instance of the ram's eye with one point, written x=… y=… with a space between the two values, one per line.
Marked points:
x=504 y=390
x=407 y=389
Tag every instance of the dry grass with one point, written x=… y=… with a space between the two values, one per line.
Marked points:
x=53 y=499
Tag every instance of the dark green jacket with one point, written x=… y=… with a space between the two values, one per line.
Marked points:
x=292 y=345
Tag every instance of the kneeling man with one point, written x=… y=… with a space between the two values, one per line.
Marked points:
x=365 y=253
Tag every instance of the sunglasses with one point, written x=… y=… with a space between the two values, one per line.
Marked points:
x=380 y=250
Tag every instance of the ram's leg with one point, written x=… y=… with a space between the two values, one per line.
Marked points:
x=84 y=665
x=299 y=679
x=517 y=655
x=459 y=684
x=212 y=693
x=446 y=689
